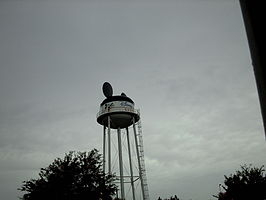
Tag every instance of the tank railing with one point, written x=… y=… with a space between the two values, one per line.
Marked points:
x=116 y=109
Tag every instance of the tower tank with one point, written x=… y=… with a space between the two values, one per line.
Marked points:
x=119 y=108
x=121 y=111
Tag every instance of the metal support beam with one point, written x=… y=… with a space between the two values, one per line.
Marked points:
x=104 y=139
x=138 y=155
x=130 y=166
x=109 y=146
x=120 y=164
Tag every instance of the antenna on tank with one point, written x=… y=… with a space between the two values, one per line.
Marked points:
x=107 y=90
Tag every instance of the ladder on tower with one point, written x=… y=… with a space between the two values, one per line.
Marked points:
x=142 y=161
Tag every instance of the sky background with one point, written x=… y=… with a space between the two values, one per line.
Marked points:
x=185 y=63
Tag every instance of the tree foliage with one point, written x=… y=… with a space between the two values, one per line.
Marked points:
x=171 y=198
x=247 y=183
x=78 y=176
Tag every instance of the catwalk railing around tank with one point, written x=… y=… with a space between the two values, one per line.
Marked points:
x=116 y=109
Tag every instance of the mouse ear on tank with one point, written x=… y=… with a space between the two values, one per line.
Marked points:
x=123 y=94
x=107 y=90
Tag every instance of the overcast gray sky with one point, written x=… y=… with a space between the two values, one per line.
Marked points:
x=185 y=63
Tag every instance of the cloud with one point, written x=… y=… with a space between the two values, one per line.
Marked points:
x=184 y=63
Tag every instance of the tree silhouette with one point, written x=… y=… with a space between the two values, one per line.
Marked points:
x=249 y=183
x=171 y=198
x=78 y=176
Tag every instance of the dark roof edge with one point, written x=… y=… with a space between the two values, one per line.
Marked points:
x=117 y=98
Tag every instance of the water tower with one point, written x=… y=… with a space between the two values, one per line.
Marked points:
x=118 y=116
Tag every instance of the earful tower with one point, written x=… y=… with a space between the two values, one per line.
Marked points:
x=118 y=116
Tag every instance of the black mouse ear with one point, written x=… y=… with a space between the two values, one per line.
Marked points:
x=107 y=90
x=123 y=94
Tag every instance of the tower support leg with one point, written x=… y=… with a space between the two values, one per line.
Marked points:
x=104 y=139
x=109 y=146
x=138 y=155
x=130 y=166
x=120 y=164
